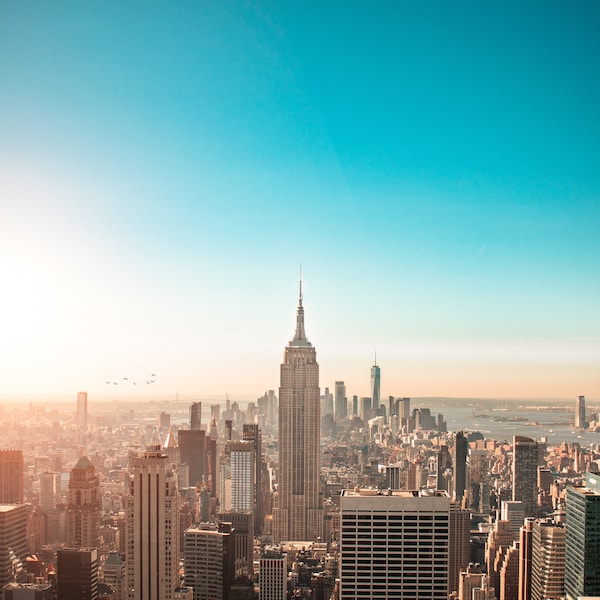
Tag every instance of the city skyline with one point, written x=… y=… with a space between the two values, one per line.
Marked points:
x=164 y=174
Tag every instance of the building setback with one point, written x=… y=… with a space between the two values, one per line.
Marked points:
x=152 y=528
x=298 y=514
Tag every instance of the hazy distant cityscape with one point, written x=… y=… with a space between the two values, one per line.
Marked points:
x=301 y=493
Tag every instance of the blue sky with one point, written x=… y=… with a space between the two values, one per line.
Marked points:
x=434 y=168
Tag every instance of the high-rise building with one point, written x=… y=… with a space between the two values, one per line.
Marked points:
x=152 y=528
x=394 y=545
x=49 y=488
x=524 y=473
x=192 y=452
x=11 y=476
x=13 y=542
x=443 y=466
x=341 y=402
x=547 y=560
x=478 y=481
x=164 y=420
x=375 y=386
x=404 y=408
x=82 y=416
x=365 y=410
x=251 y=433
x=525 y=543
x=208 y=560
x=499 y=540
x=473 y=577
x=195 y=416
x=513 y=511
x=509 y=573
x=298 y=514
x=243 y=540
x=580 y=420
x=459 y=538
x=84 y=506
x=459 y=464
x=113 y=574
x=242 y=475
x=76 y=574
x=582 y=541
x=28 y=591
x=273 y=574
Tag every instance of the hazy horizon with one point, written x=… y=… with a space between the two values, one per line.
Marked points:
x=433 y=168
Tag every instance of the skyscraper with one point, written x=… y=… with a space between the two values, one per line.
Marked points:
x=209 y=561
x=524 y=473
x=11 y=476
x=375 y=386
x=242 y=475
x=113 y=575
x=478 y=481
x=394 y=545
x=251 y=433
x=82 y=413
x=77 y=574
x=582 y=540
x=459 y=459
x=84 y=506
x=195 y=416
x=580 y=421
x=192 y=452
x=341 y=402
x=298 y=514
x=13 y=542
x=152 y=528
x=273 y=574
x=547 y=560
x=49 y=487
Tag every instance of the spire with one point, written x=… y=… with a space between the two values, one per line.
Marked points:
x=300 y=335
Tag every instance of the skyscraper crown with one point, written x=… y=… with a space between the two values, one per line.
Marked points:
x=300 y=340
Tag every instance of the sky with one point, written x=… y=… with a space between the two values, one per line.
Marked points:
x=167 y=169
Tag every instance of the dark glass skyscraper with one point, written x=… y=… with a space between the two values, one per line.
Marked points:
x=524 y=473
x=461 y=449
x=195 y=416
x=582 y=544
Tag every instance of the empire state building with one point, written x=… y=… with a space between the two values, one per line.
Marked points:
x=298 y=514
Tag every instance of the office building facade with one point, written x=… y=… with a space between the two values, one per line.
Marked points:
x=13 y=542
x=11 y=476
x=524 y=473
x=273 y=574
x=582 y=539
x=208 y=559
x=394 y=545
x=77 y=574
x=152 y=528
x=341 y=402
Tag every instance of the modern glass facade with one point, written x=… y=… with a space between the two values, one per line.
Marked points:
x=582 y=575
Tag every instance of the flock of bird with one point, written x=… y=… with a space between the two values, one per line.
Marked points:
x=126 y=379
